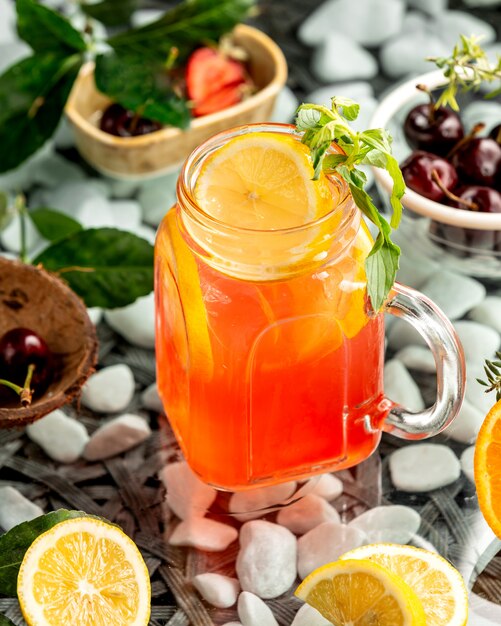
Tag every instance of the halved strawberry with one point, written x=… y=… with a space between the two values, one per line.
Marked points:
x=208 y=72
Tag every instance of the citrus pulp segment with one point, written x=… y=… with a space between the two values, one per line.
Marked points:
x=438 y=584
x=262 y=181
x=84 y=571
x=361 y=593
x=487 y=468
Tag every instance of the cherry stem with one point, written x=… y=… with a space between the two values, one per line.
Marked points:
x=25 y=392
x=467 y=138
x=436 y=178
x=431 y=113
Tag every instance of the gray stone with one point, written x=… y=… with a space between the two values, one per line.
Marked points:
x=369 y=22
x=80 y=199
x=482 y=3
x=488 y=312
x=246 y=505
x=135 y=322
x=414 y=21
x=187 y=495
x=126 y=214
x=116 y=436
x=252 y=611
x=308 y=616
x=285 y=106
x=467 y=466
x=402 y=334
x=423 y=467
x=203 y=534
x=466 y=425
x=15 y=508
x=487 y=112
x=109 y=390
x=308 y=512
x=417 y=358
x=355 y=90
x=475 y=392
x=454 y=293
x=327 y=486
x=151 y=400
x=157 y=196
x=432 y=7
x=266 y=562
x=403 y=55
x=60 y=437
x=339 y=58
x=388 y=524
x=449 y=25
x=400 y=386
x=216 y=589
x=479 y=343
x=325 y=544
x=54 y=170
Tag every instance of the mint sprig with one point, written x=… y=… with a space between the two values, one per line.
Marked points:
x=321 y=127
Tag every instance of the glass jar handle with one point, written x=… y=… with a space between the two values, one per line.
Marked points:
x=437 y=330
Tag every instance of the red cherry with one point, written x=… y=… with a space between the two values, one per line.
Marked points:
x=118 y=121
x=418 y=171
x=433 y=130
x=478 y=161
x=21 y=347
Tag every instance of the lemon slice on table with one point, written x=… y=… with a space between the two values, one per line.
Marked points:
x=438 y=585
x=262 y=181
x=86 y=572
x=361 y=593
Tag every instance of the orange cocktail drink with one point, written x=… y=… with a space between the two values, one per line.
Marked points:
x=269 y=361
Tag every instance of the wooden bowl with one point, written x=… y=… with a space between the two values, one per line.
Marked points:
x=157 y=153
x=30 y=297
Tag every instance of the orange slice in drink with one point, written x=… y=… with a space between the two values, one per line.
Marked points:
x=487 y=468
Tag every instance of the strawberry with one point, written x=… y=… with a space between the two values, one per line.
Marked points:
x=213 y=81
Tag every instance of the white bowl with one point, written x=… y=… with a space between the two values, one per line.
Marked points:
x=419 y=211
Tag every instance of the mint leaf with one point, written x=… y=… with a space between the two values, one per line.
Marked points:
x=33 y=95
x=322 y=126
x=106 y=267
x=144 y=88
x=45 y=30
x=15 y=542
x=184 y=27
x=110 y=12
x=53 y=225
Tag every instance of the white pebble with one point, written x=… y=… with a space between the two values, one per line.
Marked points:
x=369 y=22
x=476 y=393
x=135 y=322
x=388 y=524
x=116 y=436
x=482 y=3
x=95 y=314
x=486 y=111
x=16 y=508
x=53 y=170
x=285 y=106
x=356 y=90
x=204 y=534
x=467 y=459
x=325 y=544
x=8 y=22
x=157 y=196
x=145 y=16
x=306 y=513
x=216 y=589
x=340 y=58
x=146 y=232
x=126 y=214
x=151 y=400
x=479 y=343
x=423 y=467
x=402 y=334
x=11 y=52
x=246 y=505
x=308 y=616
x=187 y=495
x=432 y=7
x=266 y=562
x=466 y=425
x=403 y=54
x=449 y=25
x=488 y=312
x=61 y=437
x=109 y=390
x=454 y=293
x=252 y=611
x=400 y=386
x=327 y=486
x=10 y=236
x=417 y=358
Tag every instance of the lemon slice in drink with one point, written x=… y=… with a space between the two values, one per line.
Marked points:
x=86 y=572
x=438 y=584
x=360 y=593
x=262 y=181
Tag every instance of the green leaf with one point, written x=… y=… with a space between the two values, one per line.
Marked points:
x=184 y=27
x=6 y=210
x=53 y=225
x=307 y=118
x=381 y=267
x=45 y=30
x=15 y=542
x=110 y=12
x=5 y=621
x=350 y=108
x=144 y=88
x=106 y=267
x=33 y=95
